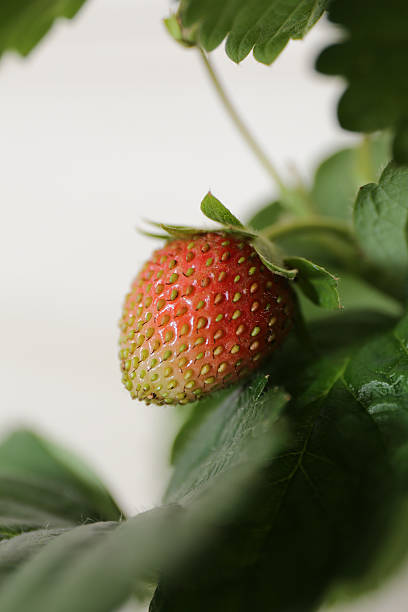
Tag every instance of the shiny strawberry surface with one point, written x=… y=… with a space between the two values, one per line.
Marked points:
x=200 y=315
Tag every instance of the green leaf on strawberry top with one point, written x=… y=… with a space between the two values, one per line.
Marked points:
x=272 y=258
x=216 y=211
x=319 y=285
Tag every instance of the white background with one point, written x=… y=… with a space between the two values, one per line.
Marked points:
x=108 y=121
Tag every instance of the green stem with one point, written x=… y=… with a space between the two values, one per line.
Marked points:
x=240 y=125
x=365 y=160
x=310 y=224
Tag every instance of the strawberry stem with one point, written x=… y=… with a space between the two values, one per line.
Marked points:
x=241 y=127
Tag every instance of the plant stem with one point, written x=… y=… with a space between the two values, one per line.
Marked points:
x=365 y=159
x=240 y=125
x=310 y=224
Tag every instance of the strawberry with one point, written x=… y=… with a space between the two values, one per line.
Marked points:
x=201 y=314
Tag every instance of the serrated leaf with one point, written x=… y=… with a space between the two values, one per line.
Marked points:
x=233 y=428
x=373 y=59
x=381 y=218
x=271 y=258
x=23 y=24
x=266 y=26
x=319 y=285
x=43 y=485
x=212 y=208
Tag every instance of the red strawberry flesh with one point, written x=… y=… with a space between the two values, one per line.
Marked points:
x=201 y=314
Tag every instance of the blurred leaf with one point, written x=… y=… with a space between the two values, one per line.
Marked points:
x=21 y=548
x=268 y=215
x=317 y=284
x=92 y=568
x=355 y=294
x=373 y=58
x=381 y=218
x=23 y=23
x=43 y=485
x=266 y=26
x=212 y=208
x=339 y=177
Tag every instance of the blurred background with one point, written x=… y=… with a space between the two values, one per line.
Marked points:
x=106 y=122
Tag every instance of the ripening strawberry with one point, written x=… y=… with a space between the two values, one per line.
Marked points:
x=201 y=314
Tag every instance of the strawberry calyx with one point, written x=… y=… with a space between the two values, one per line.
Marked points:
x=214 y=210
x=314 y=281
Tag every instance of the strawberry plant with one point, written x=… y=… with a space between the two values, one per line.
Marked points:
x=282 y=338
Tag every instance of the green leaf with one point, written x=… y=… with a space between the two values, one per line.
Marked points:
x=268 y=215
x=201 y=411
x=356 y=294
x=378 y=378
x=92 y=568
x=317 y=284
x=271 y=258
x=339 y=177
x=24 y=23
x=181 y=231
x=373 y=59
x=331 y=489
x=21 y=548
x=95 y=568
x=381 y=217
x=214 y=210
x=42 y=485
x=266 y=26
x=234 y=427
